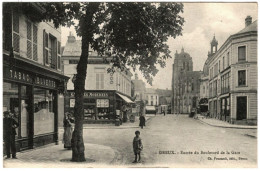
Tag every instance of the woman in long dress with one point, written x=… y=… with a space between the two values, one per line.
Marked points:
x=142 y=121
x=68 y=120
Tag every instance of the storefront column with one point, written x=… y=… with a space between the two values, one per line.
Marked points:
x=31 y=118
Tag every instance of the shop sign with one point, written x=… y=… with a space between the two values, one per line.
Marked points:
x=19 y=75
x=102 y=103
x=45 y=82
x=94 y=94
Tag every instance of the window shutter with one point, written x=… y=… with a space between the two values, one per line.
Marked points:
x=16 y=36
x=29 y=40
x=7 y=29
x=35 y=39
x=59 y=56
x=45 y=48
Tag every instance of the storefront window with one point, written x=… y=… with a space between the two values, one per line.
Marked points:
x=24 y=110
x=43 y=111
x=11 y=100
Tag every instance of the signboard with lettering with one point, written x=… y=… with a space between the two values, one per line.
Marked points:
x=102 y=103
x=23 y=76
x=18 y=75
x=92 y=94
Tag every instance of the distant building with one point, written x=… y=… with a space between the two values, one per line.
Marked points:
x=164 y=100
x=151 y=97
x=139 y=88
x=233 y=77
x=185 y=84
x=104 y=92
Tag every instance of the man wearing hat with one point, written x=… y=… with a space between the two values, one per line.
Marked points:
x=9 y=134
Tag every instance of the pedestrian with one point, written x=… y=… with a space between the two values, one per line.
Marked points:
x=10 y=124
x=164 y=112
x=142 y=121
x=137 y=146
x=67 y=136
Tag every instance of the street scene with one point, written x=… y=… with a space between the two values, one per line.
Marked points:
x=129 y=84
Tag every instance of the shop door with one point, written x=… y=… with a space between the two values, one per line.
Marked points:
x=241 y=107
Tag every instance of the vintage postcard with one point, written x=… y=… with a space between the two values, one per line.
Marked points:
x=129 y=84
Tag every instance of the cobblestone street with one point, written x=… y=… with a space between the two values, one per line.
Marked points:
x=180 y=135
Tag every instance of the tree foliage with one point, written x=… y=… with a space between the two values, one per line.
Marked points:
x=134 y=34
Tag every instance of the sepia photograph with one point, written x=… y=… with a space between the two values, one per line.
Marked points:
x=129 y=84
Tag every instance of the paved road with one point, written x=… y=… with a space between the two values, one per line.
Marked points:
x=180 y=135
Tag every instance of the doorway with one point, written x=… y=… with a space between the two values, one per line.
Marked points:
x=241 y=107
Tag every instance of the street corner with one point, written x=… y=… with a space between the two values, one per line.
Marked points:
x=56 y=156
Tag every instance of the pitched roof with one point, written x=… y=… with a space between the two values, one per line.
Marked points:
x=150 y=91
x=251 y=27
x=74 y=49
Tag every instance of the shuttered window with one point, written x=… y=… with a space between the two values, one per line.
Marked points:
x=242 y=53
x=29 y=40
x=35 y=40
x=16 y=36
x=45 y=47
x=59 y=56
x=7 y=29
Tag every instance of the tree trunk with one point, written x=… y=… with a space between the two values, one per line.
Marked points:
x=86 y=28
x=77 y=142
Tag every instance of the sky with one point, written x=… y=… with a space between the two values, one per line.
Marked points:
x=202 y=21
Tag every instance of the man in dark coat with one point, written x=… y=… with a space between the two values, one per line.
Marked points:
x=142 y=121
x=10 y=124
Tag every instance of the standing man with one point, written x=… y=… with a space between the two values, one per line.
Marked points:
x=10 y=124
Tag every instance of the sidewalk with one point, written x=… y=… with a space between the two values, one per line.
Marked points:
x=55 y=156
x=223 y=124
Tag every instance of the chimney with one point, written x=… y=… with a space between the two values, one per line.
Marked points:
x=248 y=20
x=71 y=38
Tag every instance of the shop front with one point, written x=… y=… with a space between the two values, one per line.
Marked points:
x=225 y=108
x=33 y=98
x=100 y=106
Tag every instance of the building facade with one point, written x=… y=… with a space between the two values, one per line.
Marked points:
x=233 y=77
x=104 y=92
x=185 y=84
x=139 y=89
x=33 y=84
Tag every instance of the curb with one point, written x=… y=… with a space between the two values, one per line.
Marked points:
x=234 y=127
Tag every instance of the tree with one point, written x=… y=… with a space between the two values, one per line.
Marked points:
x=134 y=34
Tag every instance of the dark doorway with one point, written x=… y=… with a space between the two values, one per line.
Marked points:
x=241 y=107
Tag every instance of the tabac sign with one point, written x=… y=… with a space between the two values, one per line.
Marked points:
x=18 y=75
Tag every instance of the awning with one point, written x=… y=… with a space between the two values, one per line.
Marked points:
x=126 y=99
x=149 y=107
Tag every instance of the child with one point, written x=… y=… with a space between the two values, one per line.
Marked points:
x=137 y=146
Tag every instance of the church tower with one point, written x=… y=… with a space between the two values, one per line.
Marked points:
x=214 y=45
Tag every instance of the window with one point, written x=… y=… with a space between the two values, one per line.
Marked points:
x=242 y=53
x=53 y=51
x=16 y=36
x=32 y=41
x=43 y=111
x=228 y=59
x=73 y=61
x=223 y=63
x=242 y=78
x=59 y=56
x=7 y=29
x=100 y=81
